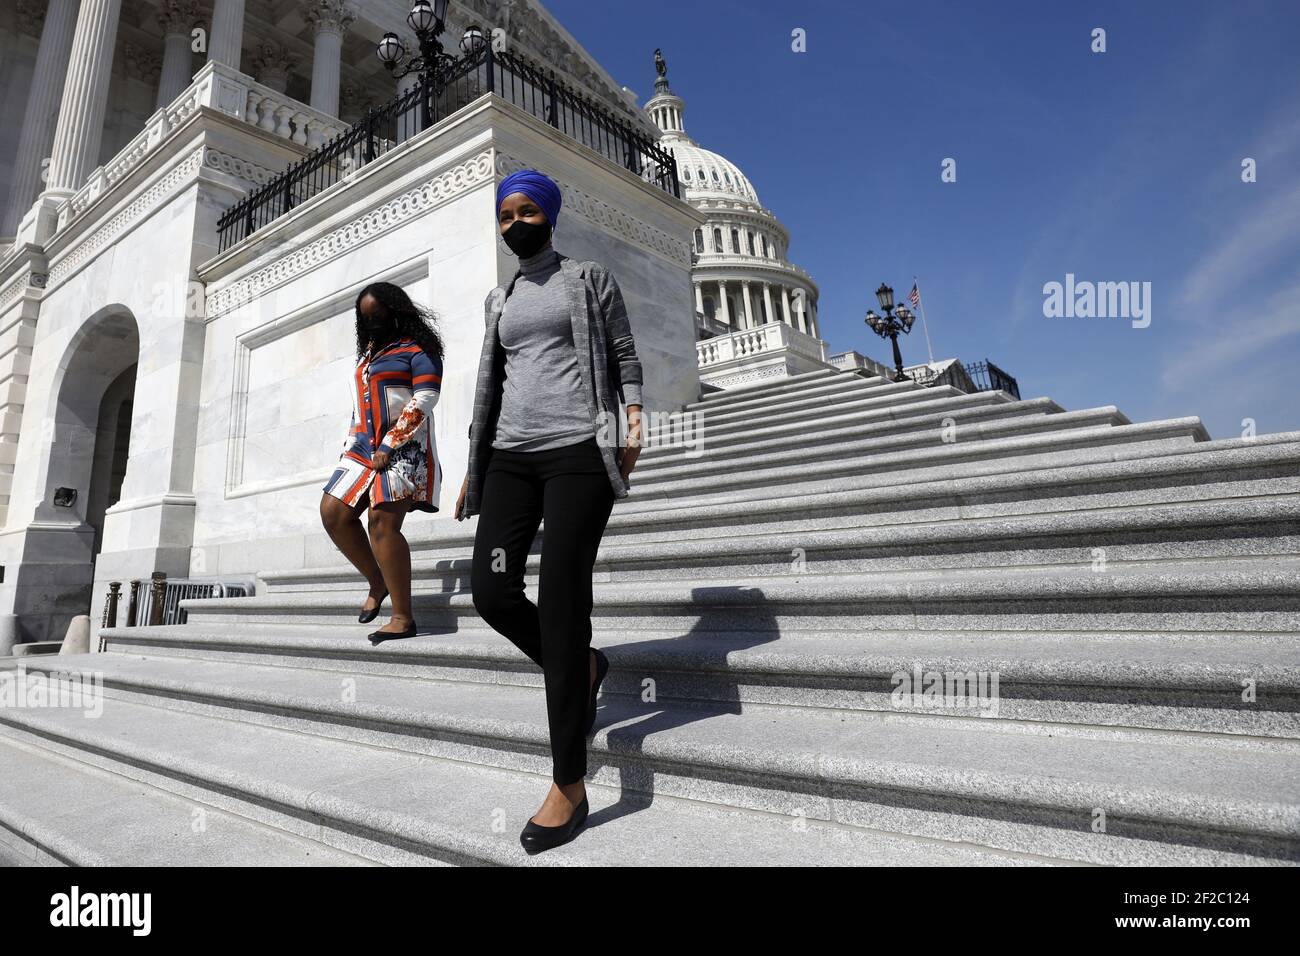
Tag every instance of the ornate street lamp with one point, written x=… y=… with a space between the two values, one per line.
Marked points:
x=888 y=326
x=428 y=20
x=473 y=41
x=425 y=16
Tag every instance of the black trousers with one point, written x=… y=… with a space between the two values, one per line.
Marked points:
x=569 y=490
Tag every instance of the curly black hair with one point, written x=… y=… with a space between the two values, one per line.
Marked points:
x=412 y=321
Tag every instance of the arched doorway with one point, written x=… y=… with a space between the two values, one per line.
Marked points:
x=112 y=447
x=86 y=439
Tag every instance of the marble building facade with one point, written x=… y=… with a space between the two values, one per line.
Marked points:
x=166 y=405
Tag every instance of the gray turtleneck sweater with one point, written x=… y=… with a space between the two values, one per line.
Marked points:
x=542 y=401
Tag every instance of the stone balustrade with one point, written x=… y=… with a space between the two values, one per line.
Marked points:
x=217 y=87
x=744 y=343
x=849 y=360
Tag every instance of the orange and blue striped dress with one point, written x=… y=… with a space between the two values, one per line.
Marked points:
x=393 y=396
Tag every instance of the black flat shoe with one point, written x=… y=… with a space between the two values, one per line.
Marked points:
x=367 y=616
x=378 y=637
x=602 y=668
x=535 y=838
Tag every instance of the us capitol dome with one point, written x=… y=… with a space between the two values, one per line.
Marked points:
x=743 y=278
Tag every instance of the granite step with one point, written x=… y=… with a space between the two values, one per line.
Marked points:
x=1025 y=420
x=1017 y=788
x=1186 y=473
x=34 y=648
x=914 y=458
x=831 y=389
x=945 y=422
x=819 y=382
x=1261 y=595
x=814 y=411
x=57 y=811
x=1224 y=471
x=1075 y=479
x=1180 y=681
x=1185 y=531
x=676 y=436
x=401 y=807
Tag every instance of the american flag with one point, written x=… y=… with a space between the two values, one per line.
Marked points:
x=914 y=297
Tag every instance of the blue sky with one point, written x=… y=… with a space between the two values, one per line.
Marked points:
x=1115 y=166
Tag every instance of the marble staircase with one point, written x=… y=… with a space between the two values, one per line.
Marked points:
x=1134 y=589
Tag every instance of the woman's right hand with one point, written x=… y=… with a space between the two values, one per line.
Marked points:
x=460 y=502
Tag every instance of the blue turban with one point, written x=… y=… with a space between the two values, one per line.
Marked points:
x=538 y=187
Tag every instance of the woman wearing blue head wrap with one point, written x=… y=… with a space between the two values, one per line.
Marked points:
x=535 y=186
x=544 y=444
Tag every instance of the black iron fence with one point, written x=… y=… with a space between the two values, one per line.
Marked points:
x=157 y=599
x=989 y=378
x=514 y=78
x=953 y=375
x=976 y=377
x=178 y=591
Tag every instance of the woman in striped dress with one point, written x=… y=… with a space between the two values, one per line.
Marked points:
x=390 y=459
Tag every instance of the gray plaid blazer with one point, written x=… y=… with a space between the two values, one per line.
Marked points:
x=607 y=363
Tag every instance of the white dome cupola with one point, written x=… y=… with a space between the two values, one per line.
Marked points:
x=741 y=274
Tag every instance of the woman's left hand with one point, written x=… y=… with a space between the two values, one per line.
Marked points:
x=379 y=460
x=627 y=456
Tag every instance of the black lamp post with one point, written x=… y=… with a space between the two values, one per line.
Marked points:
x=890 y=325
x=428 y=20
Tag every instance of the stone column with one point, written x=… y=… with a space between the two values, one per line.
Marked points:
x=226 y=39
x=699 y=298
x=80 y=129
x=750 y=323
x=812 y=317
x=723 y=304
x=37 y=134
x=271 y=64
x=799 y=312
x=408 y=123
x=769 y=312
x=177 y=18
x=785 y=305
x=329 y=19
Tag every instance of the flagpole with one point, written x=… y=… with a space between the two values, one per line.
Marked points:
x=924 y=325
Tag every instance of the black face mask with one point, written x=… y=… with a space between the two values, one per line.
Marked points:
x=526 y=239
x=377 y=331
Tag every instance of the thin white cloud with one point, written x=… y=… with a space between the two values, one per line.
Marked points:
x=1243 y=338
x=1251 y=245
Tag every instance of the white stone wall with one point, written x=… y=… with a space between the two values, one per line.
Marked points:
x=87 y=333
x=117 y=289
x=241 y=405
x=19 y=312
x=280 y=347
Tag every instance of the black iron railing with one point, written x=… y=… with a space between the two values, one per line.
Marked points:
x=989 y=378
x=158 y=599
x=512 y=77
x=976 y=377
x=177 y=591
x=953 y=375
